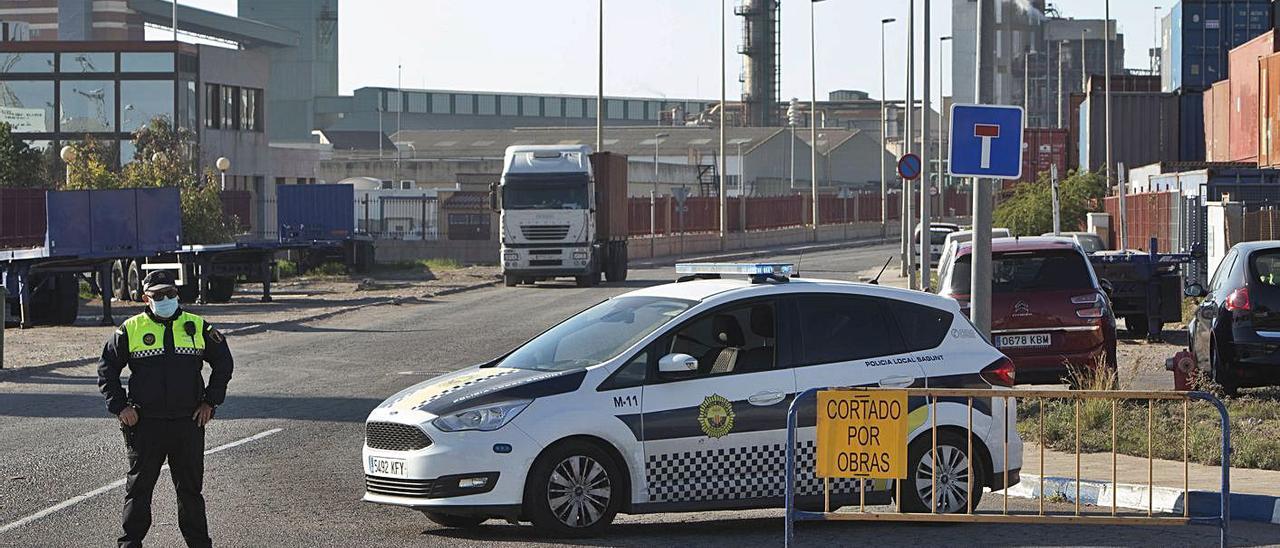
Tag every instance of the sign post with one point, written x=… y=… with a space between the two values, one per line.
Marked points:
x=1122 y=223
x=986 y=142
x=908 y=170
x=862 y=434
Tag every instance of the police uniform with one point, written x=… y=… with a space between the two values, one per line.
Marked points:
x=165 y=357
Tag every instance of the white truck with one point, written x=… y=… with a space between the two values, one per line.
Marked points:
x=562 y=212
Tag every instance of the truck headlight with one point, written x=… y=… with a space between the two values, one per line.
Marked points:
x=486 y=418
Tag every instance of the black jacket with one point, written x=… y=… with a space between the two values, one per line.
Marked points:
x=168 y=384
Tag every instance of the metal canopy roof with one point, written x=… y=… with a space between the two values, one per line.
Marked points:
x=218 y=25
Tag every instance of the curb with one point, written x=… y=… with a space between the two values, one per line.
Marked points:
x=1244 y=507
x=7 y=373
x=669 y=260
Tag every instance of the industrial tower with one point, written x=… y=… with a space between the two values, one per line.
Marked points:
x=761 y=75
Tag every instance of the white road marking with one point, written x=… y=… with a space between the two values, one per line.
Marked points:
x=86 y=496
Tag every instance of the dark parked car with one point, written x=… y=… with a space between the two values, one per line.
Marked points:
x=1048 y=308
x=1235 y=333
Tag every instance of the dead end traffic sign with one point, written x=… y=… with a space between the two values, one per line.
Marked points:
x=909 y=166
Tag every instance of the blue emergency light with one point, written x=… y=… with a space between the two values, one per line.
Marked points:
x=757 y=272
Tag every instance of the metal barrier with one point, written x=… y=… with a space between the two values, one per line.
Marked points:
x=952 y=395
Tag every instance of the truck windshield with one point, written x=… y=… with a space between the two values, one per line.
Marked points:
x=596 y=334
x=544 y=192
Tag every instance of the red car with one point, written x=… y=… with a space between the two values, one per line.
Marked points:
x=1048 y=308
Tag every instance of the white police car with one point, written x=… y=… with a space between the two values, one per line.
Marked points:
x=674 y=398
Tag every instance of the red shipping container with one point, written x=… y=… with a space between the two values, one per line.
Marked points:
x=1243 y=68
x=1217 y=122
x=22 y=217
x=1269 y=110
x=1041 y=148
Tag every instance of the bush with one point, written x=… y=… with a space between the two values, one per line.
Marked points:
x=330 y=269
x=286 y=268
x=440 y=264
x=1029 y=212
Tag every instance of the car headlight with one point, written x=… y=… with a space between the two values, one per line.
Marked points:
x=486 y=418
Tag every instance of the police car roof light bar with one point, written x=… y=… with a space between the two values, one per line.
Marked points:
x=756 y=272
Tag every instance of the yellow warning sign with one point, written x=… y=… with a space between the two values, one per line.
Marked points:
x=862 y=434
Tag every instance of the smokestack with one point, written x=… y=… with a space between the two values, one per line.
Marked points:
x=762 y=72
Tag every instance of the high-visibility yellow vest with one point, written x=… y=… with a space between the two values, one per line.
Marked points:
x=146 y=336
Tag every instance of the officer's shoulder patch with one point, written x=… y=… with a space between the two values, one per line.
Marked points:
x=216 y=335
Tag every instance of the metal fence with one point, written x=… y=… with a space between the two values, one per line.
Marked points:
x=662 y=215
x=936 y=397
x=398 y=217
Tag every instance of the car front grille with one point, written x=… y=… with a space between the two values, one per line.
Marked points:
x=545 y=232
x=398 y=487
x=394 y=436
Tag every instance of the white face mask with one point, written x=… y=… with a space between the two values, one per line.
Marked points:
x=164 y=307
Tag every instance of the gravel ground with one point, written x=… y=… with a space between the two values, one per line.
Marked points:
x=295 y=300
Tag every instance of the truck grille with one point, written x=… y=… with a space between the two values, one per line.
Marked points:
x=399 y=487
x=545 y=232
x=394 y=437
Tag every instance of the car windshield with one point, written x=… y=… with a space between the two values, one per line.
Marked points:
x=545 y=192
x=1017 y=271
x=1091 y=243
x=596 y=334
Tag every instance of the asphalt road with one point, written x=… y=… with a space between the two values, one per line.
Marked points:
x=299 y=398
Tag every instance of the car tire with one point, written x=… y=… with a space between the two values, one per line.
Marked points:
x=1219 y=367
x=455 y=521
x=952 y=449
x=565 y=503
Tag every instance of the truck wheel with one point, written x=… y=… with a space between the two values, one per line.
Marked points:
x=67 y=300
x=509 y=281
x=119 y=289
x=586 y=280
x=220 y=289
x=615 y=269
x=1136 y=326
x=133 y=282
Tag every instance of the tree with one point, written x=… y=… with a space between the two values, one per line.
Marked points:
x=20 y=165
x=1029 y=212
x=163 y=158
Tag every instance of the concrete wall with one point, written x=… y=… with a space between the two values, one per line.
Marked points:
x=247 y=150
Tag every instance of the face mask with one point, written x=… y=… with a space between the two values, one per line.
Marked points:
x=164 y=307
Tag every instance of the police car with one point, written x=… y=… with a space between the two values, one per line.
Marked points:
x=674 y=398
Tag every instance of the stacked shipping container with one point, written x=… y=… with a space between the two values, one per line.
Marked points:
x=1197 y=35
x=1042 y=148
x=1217 y=126
x=1145 y=128
x=1243 y=85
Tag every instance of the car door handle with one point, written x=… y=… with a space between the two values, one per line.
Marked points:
x=766 y=398
x=897 y=382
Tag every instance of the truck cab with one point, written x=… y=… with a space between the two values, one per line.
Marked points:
x=556 y=212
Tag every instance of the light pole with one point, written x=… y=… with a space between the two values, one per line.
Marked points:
x=223 y=164
x=813 y=115
x=925 y=185
x=742 y=190
x=884 y=140
x=1106 y=78
x=1060 y=113
x=1155 y=40
x=1026 y=81
x=942 y=107
x=657 y=140
x=1084 y=75
x=908 y=140
x=68 y=155
x=793 y=119
x=980 y=278
x=600 y=83
x=724 y=204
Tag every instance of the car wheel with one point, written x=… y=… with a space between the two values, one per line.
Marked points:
x=455 y=521
x=953 y=476
x=1220 y=366
x=573 y=490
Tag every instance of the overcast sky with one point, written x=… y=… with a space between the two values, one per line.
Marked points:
x=663 y=48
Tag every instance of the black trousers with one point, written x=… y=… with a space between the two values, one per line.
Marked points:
x=150 y=443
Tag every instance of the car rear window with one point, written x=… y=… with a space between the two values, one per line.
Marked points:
x=1264 y=267
x=1017 y=271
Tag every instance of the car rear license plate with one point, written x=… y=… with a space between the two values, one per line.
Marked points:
x=1023 y=340
x=379 y=466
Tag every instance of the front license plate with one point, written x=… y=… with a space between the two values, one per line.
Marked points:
x=1023 y=340
x=379 y=466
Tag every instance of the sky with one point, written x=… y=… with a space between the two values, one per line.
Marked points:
x=653 y=48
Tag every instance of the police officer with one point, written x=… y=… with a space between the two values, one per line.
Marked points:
x=164 y=412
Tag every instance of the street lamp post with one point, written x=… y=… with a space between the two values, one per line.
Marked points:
x=884 y=140
x=657 y=139
x=1155 y=40
x=600 y=84
x=793 y=119
x=1060 y=113
x=925 y=185
x=68 y=155
x=1106 y=78
x=223 y=164
x=724 y=205
x=908 y=140
x=813 y=115
x=942 y=107
x=1084 y=75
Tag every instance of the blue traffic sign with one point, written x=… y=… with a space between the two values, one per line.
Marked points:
x=986 y=141
x=909 y=166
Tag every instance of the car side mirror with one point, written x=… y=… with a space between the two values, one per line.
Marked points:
x=1106 y=286
x=677 y=365
x=1194 y=290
